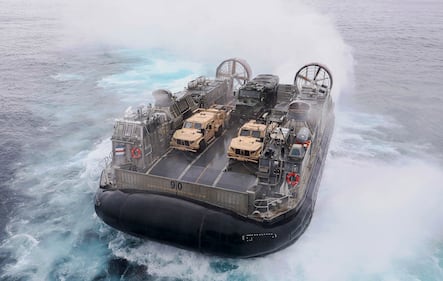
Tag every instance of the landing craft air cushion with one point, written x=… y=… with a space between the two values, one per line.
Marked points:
x=197 y=198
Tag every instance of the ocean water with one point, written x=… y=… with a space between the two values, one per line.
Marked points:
x=68 y=69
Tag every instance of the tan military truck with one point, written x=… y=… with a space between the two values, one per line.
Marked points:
x=248 y=145
x=202 y=128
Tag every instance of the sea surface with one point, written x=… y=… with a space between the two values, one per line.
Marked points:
x=67 y=70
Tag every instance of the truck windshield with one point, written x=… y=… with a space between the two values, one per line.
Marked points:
x=244 y=133
x=187 y=124
x=256 y=134
x=190 y=125
x=249 y=94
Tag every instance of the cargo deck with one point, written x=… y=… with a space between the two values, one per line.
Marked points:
x=208 y=167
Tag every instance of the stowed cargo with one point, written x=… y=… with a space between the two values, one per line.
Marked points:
x=201 y=129
x=248 y=145
x=256 y=97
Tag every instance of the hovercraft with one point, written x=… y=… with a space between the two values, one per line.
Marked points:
x=229 y=166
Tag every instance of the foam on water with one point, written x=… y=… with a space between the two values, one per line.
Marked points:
x=151 y=74
x=50 y=236
x=369 y=136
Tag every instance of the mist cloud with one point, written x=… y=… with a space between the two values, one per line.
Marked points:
x=273 y=36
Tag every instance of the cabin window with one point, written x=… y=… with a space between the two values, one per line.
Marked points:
x=244 y=133
x=197 y=125
x=187 y=124
x=137 y=131
x=249 y=94
x=295 y=152
x=128 y=131
x=119 y=129
x=256 y=134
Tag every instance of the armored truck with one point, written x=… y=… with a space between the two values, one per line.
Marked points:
x=248 y=145
x=256 y=97
x=201 y=128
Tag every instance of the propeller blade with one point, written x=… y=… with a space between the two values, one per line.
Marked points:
x=305 y=78
x=317 y=73
x=322 y=79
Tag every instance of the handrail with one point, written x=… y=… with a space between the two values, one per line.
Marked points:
x=271 y=203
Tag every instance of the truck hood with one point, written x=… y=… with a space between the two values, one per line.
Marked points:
x=187 y=134
x=246 y=143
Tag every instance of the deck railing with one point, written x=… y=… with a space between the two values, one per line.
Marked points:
x=239 y=202
x=270 y=206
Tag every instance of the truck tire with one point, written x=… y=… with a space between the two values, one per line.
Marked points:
x=219 y=131
x=201 y=146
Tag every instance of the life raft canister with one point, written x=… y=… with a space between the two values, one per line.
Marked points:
x=293 y=178
x=136 y=153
